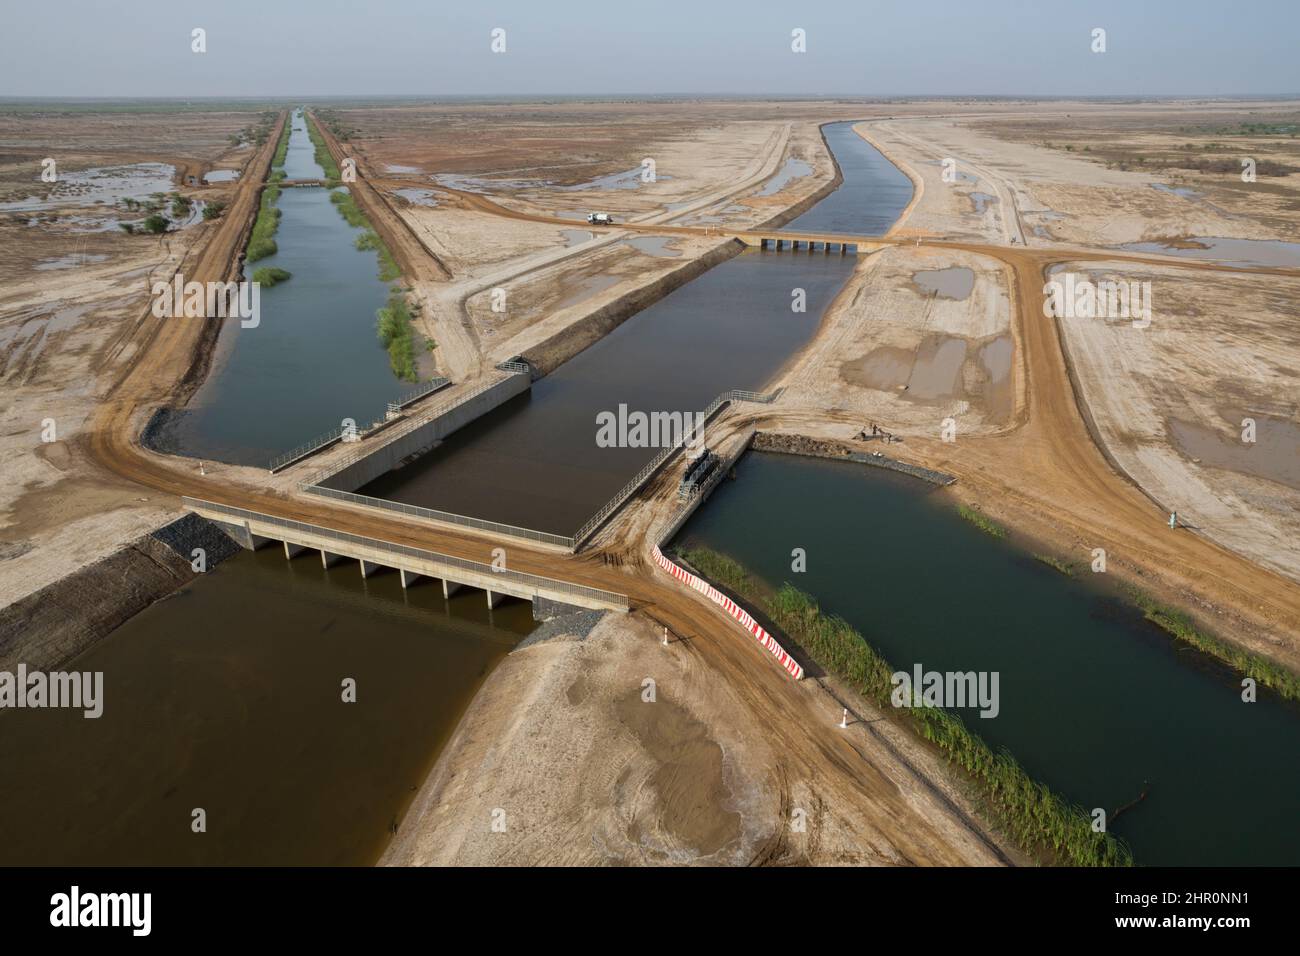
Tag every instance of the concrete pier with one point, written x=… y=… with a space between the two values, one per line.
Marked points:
x=246 y=526
x=292 y=551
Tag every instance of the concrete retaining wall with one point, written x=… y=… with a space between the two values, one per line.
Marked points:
x=387 y=457
x=821 y=448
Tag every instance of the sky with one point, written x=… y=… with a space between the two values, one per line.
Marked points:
x=332 y=48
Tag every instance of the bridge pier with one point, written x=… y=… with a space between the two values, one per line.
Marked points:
x=494 y=599
x=292 y=551
x=328 y=558
x=449 y=588
x=369 y=568
x=408 y=577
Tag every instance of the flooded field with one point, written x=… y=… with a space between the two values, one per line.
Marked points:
x=1094 y=701
x=227 y=696
x=1246 y=252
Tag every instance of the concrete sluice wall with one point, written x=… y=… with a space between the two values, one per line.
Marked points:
x=384 y=458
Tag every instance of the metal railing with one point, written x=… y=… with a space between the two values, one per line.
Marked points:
x=305 y=449
x=432 y=514
x=535 y=582
x=418 y=392
x=398 y=431
x=657 y=462
x=334 y=434
x=521 y=368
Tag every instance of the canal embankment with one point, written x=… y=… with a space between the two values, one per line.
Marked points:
x=49 y=627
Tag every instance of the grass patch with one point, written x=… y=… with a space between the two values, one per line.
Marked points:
x=282 y=147
x=346 y=204
x=979 y=520
x=1037 y=818
x=261 y=242
x=1065 y=567
x=268 y=276
x=213 y=210
x=398 y=336
x=1175 y=622
x=323 y=157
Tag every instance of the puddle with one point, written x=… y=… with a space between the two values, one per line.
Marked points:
x=417 y=197
x=1249 y=252
x=221 y=176
x=71 y=261
x=995 y=357
x=792 y=169
x=398 y=168
x=931 y=371
x=654 y=246
x=1183 y=192
x=99 y=185
x=576 y=237
x=1274 y=456
x=955 y=282
x=982 y=201
x=586 y=289
x=628 y=179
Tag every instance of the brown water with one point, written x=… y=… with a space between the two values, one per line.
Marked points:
x=227 y=696
x=1274 y=455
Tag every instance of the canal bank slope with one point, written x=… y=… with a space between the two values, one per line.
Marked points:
x=562 y=750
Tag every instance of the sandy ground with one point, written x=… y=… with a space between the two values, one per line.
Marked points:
x=70 y=304
x=892 y=351
x=1169 y=402
x=561 y=760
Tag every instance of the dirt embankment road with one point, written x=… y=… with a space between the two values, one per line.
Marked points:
x=416 y=260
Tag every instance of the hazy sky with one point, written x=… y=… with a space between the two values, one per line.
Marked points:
x=862 y=47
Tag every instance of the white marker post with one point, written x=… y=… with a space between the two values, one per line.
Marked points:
x=665 y=635
x=1173 y=519
x=844 y=721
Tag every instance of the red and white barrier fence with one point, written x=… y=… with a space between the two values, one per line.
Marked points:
x=734 y=609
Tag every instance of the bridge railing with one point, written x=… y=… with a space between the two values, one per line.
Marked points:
x=447 y=517
x=657 y=462
x=412 y=395
x=534 y=582
x=305 y=449
x=399 y=430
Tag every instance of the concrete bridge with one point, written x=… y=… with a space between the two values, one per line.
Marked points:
x=254 y=530
x=796 y=244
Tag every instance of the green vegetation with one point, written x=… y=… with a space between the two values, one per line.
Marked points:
x=398 y=336
x=156 y=224
x=978 y=519
x=1175 y=622
x=127 y=227
x=180 y=206
x=346 y=204
x=323 y=157
x=282 y=147
x=268 y=276
x=277 y=175
x=213 y=210
x=1065 y=567
x=260 y=242
x=1031 y=813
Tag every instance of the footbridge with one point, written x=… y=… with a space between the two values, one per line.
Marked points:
x=253 y=530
